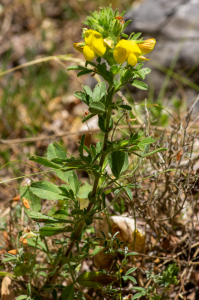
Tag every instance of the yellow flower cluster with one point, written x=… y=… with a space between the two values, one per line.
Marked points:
x=125 y=50
x=131 y=51
x=94 y=45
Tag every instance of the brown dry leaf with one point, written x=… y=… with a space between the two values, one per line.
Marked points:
x=128 y=297
x=26 y=203
x=125 y=227
x=195 y=277
x=13 y=251
x=7 y=291
x=102 y=260
x=179 y=155
x=6 y=238
x=17 y=198
x=192 y=296
x=23 y=240
x=170 y=243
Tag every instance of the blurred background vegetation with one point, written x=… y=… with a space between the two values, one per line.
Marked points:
x=38 y=99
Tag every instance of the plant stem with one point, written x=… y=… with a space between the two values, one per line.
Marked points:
x=96 y=181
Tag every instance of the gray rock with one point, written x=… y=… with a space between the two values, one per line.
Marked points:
x=175 y=26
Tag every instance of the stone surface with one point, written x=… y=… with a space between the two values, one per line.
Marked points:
x=175 y=26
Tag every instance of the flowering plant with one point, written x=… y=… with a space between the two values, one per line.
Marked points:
x=122 y=63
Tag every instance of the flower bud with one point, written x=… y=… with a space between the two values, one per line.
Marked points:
x=147 y=46
x=79 y=46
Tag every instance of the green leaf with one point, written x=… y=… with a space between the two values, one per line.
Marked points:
x=146 y=141
x=139 y=289
x=129 y=192
x=95 y=279
x=21 y=270
x=56 y=151
x=97 y=250
x=22 y=297
x=125 y=35
x=74 y=182
x=88 y=117
x=88 y=221
x=136 y=36
x=130 y=271
x=102 y=124
x=138 y=295
x=132 y=279
x=114 y=69
x=82 y=96
x=126 y=24
x=102 y=69
x=143 y=72
x=62 y=175
x=84 y=191
x=3 y=274
x=10 y=258
x=99 y=91
x=84 y=72
x=118 y=161
x=88 y=90
x=75 y=67
x=49 y=231
x=139 y=66
x=127 y=107
x=140 y=85
x=68 y=292
x=34 y=201
x=154 y=151
x=128 y=74
x=44 y=162
x=97 y=107
x=46 y=190
x=36 y=242
x=62 y=212
x=99 y=147
x=47 y=219
x=131 y=253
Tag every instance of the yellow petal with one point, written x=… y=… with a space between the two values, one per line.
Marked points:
x=142 y=58
x=132 y=59
x=133 y=48
x=147 y=46
x=88 y=36
x=78 y=46
x=130 y=46
x=120 y=55
x=97 y=43
x=126 y=49
x=89 y=54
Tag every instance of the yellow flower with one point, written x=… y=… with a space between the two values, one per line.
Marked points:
x=131 y=51
x=147 y=46
x=95 y=45
x=126 y=50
